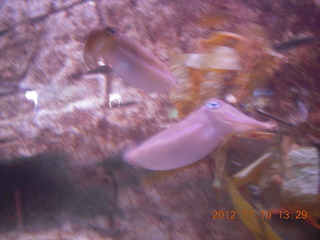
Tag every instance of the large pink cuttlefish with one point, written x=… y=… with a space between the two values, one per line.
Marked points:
x=192 y=138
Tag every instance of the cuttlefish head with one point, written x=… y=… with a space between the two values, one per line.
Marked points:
x=231 y=119
x=98 y=42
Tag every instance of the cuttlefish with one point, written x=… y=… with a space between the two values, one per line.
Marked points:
x=133 y=63
x=193 y=138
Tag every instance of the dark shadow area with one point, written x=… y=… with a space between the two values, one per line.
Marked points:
x=38 y=193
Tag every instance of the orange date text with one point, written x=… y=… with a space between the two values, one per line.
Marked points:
x=224 y=214
x=232 y=214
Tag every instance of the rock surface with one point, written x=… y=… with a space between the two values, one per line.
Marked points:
x=51 y=104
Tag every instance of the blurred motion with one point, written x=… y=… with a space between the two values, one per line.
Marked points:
x=233 y=67
x=81 y=104
x=194 y=137
x=295 y=177
x=300 y=180
x=133 y=63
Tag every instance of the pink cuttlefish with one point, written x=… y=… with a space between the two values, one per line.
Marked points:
x=193 y=138
x=133 y=63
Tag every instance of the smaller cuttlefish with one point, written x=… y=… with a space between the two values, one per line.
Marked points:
x=193 y=138
x=133 y=63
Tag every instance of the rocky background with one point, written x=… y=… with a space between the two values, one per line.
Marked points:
x=62 y=128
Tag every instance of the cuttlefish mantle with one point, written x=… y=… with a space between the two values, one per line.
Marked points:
x=133 y=63
x=192 y=138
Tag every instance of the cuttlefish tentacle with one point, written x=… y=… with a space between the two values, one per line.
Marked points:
x=133 y=63
x=192 y=138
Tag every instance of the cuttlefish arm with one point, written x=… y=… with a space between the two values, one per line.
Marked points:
x=133 y=63
x=192 y=138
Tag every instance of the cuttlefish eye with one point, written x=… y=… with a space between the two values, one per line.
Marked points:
x=213 y=104
x=111 y=31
